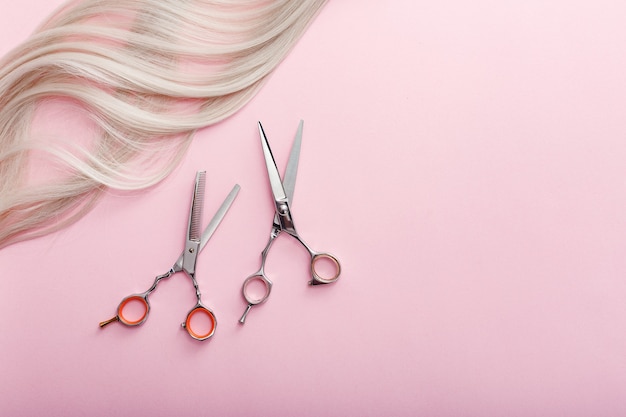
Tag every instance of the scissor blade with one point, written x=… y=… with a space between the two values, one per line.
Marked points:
x=213 y=224
x=289 y=181
x=192 y=244
x=272 y=171
x=197 y=206
x=219 y=216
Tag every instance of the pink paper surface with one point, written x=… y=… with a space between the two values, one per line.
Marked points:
x=466 y=163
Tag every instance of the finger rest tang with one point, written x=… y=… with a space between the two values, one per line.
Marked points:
x=109 y=321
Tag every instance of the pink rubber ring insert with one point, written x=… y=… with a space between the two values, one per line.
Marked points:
x=121 y=309
x=211 y=329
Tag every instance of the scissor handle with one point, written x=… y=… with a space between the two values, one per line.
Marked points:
x=143 y=299
x=318 y=278
x=247 y=292
x=189 y=326
x=252 y=299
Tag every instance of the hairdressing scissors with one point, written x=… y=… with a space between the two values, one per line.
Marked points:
x=186 y=263
x=282 y=192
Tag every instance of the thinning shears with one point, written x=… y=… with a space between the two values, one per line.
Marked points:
x=282 y=192
x=186 y=263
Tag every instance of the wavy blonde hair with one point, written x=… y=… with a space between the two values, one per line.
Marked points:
x=148 y=73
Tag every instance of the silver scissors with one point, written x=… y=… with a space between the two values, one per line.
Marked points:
x=186 y=262
x=283 y=222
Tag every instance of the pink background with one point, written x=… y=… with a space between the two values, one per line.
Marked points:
x=466 y=163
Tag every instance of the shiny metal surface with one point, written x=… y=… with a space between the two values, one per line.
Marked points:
x=282 y=192
x=186 y=262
